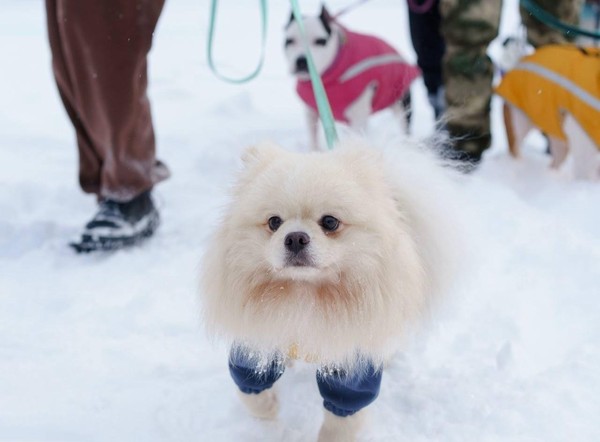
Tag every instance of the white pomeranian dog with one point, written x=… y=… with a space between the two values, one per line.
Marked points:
x=332 y=258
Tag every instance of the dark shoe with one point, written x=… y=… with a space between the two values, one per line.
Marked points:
x=117 y=225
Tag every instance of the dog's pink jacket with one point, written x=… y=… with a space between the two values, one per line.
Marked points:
x=362 y=60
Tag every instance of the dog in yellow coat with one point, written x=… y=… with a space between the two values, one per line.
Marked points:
x=557 y=90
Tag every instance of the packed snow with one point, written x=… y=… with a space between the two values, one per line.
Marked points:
x=110 y=347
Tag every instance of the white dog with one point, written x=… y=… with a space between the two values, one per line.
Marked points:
x=557 y=90
x=331 y=258
x=361 y=74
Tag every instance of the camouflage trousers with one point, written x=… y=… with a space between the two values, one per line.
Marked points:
x=468 y=26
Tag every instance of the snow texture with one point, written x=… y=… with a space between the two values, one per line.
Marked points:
x=110 y=347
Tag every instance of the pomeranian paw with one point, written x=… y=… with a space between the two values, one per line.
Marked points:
x=340 y=429
x=263 y=405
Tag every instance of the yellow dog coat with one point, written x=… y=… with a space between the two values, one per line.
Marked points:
x=554 y=79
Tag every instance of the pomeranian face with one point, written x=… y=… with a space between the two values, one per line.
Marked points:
x=323 y=39
x=298 y=217
x=302 y=245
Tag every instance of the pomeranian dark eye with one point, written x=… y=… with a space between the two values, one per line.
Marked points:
x=274 y=223
x=330 y=223
x=321 y=41
x=289 y=41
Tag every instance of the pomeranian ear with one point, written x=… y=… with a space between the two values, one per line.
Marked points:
x=261 y=153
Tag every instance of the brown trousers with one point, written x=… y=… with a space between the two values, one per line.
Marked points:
x=99 y=58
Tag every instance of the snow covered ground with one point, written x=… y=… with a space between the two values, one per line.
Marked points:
x=111 y=348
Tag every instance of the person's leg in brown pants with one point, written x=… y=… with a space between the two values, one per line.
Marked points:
x=99 y=59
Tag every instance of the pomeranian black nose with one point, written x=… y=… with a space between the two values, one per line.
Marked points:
x=301 y=64
x=296 y=241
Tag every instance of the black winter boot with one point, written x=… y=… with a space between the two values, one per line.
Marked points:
x=117 y=225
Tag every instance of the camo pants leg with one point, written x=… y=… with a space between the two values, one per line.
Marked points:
x=538 y=34
x=468 y=27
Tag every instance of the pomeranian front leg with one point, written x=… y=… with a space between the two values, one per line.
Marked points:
x=341 y=429
x=344 y=397
x=263 y=405
x=255 y=379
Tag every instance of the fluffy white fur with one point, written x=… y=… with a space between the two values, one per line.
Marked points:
x=371 y=280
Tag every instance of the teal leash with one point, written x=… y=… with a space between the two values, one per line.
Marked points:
x=323 y=106
x=548 y=19
x=211 y=35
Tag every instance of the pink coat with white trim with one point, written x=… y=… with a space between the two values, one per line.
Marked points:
x=362 y=60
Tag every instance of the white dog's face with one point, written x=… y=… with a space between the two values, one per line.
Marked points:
x=300 y=246
x=300 y=218
x=323 y=39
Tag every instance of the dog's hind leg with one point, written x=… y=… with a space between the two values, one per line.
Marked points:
x=586 y=156
x=518 y=126
x=403 y=111
x=359 y=110
x=510 y=131
x=558 y=151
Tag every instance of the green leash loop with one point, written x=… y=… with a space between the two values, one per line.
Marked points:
x=548 y=19
x=211 y=35
x=323 y=106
